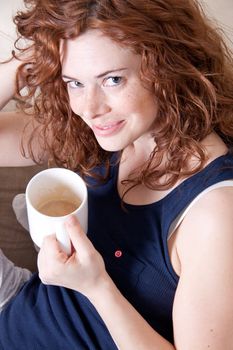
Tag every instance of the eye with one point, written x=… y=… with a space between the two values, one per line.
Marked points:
x=73 y=84
x=113 y=81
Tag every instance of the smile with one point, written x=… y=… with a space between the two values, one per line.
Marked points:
x=108 y=129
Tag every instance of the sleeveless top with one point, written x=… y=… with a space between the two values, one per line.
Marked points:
x=133 y=243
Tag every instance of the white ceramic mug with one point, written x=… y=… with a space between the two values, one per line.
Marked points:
x=51 y=196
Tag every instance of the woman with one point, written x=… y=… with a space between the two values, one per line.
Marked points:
x=136 y=96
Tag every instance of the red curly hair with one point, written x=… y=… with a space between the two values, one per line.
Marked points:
x=184 y=59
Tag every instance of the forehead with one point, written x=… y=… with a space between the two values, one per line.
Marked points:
x=94 y=52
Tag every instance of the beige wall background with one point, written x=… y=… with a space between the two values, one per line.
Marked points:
x=220 y=10
x=8 y=9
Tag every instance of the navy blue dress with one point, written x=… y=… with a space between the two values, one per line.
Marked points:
x=133 y=243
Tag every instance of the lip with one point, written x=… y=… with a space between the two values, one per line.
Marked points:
x=108 y=129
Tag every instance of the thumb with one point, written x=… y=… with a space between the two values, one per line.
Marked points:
x=78 y=238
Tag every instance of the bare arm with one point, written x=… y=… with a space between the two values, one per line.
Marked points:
x=127 y=327
x=8 y=80
x=12 y=124
x=11 y=130
x=203 y=308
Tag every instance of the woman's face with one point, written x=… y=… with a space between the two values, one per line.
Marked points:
x=105 y=90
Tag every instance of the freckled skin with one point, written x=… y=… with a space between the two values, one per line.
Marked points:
x=104 y=101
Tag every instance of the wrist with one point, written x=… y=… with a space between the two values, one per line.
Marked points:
x=105 y=289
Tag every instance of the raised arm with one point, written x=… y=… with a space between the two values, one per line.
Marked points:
x=8 y=79
x=12 y=124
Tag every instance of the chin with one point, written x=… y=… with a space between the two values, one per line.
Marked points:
x=111 y=147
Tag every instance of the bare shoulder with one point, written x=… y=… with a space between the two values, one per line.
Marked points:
x=211 y=216
x=203 y=307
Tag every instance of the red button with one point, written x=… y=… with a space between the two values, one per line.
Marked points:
x=118 y=253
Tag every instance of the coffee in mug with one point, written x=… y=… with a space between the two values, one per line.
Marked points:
x=58 y=207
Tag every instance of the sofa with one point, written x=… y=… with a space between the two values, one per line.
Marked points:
x=15 y=241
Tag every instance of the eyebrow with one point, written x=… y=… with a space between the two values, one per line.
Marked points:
x=98 y=76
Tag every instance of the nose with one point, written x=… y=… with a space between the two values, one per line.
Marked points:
x=94 y=104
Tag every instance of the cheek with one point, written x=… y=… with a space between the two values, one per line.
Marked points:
x=74 y=105
x=149 y=103
x=144 y=104
x=141 y=98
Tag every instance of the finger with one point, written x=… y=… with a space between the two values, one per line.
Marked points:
x=51 y=246
x=50 y=242
x=78 y=238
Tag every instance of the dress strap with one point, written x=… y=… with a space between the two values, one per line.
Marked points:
x=181 y=216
